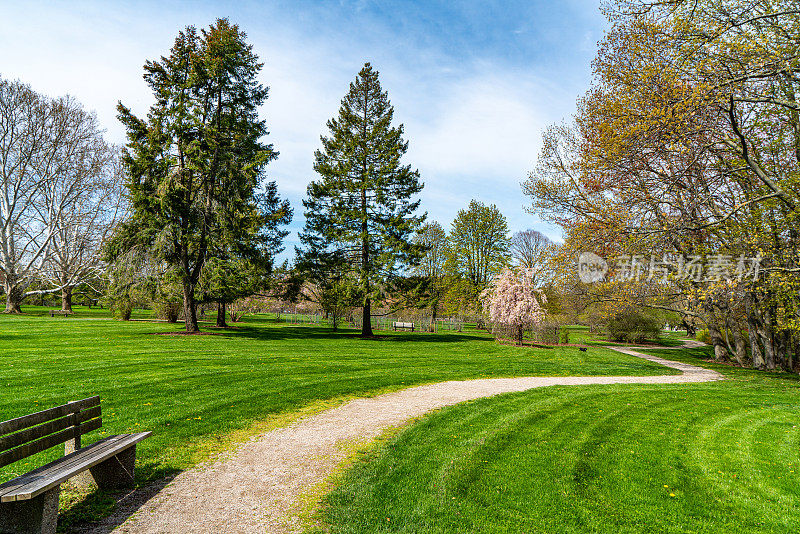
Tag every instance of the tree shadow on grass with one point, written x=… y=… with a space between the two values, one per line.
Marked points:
x=314 y=332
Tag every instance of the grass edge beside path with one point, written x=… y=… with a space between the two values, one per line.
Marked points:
x=688 y=437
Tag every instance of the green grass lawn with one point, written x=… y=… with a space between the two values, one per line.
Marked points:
x=716 y=457
x=192 y=391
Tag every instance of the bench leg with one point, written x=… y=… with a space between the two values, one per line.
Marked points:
x=32 y=516
x=117 y=471
x=82 y=480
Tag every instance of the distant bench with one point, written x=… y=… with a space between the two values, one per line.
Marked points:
x=29 y=503
x=63 y=313
x=403 y=326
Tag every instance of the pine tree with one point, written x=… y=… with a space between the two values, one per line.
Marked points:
x=195 y=164
x=362 y=209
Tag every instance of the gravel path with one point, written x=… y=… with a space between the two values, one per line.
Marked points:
x=256 y=488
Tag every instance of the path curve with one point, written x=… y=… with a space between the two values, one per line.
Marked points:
x=255 y=488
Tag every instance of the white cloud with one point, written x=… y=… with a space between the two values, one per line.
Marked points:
x=481 y=126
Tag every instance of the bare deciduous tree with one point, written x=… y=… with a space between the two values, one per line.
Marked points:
x=82 y=229
x=533 y=251
x=50 y=151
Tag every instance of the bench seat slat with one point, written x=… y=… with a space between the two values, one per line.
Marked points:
x=12 y=425
x=8 y=488
x=40 y=480
x=65 y=468
x=48 y=476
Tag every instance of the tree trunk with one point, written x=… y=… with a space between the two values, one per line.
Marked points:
x=740 y=347
x=66 y=299
x=752 y=331
x=366 y=323
x=13 y=299
x=781 y=349
x=720 y=353
x=691 y=331
x=791 y=359
x=755 y=350
x=519 y=336
x=766 y=335
x=221 y=315
x=434 y=309
x=366 y=320
x=769 y=348
x=726 y=337
x=189 y=308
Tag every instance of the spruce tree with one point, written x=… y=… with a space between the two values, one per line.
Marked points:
x=362 y=209
x=196 y=162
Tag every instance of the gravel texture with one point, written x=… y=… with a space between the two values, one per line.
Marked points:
x=258 y=487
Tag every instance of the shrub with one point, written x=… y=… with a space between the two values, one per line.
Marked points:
x=168 y=310
x=633 y=327
x=704 y=336
x=551 y=333
x=121 y=308
x=563 y=335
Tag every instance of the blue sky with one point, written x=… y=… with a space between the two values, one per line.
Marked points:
x=475 y=83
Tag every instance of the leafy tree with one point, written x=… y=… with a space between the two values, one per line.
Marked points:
x=337 y=294
x=479 y=244
x=361 y=211
x=327 y=281
x=687 y=143
x=633 y=327
x=225 y=281
x=195 y=163
x=165 y=294
x=432 y=264
x=131 y=280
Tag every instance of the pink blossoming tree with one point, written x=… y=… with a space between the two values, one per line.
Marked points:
x=513 y=302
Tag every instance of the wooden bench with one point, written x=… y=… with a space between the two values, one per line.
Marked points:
x=63 y=313
x=29 y=503
x=403 y=326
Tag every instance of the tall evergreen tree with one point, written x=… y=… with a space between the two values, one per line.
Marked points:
x=195 y=163
x=363 y=207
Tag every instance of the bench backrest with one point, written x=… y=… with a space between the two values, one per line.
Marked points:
x=403 y=325
x=29 y=434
